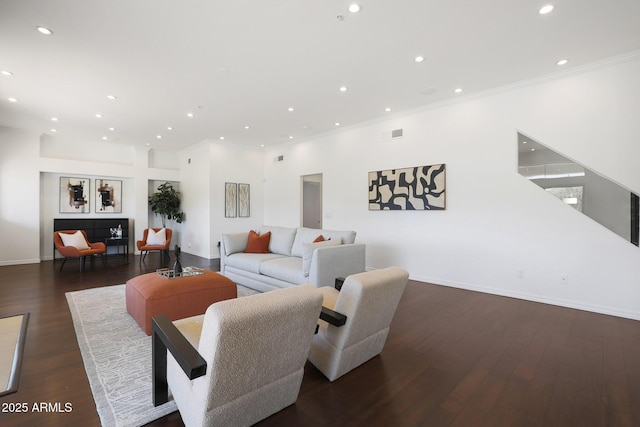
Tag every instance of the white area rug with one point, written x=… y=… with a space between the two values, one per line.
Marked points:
x=117 y=356
x=12 y=333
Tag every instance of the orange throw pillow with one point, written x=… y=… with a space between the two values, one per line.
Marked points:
x=320 y=238
x=257 y=244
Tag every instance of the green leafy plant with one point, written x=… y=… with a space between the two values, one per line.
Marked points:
x=166 y=203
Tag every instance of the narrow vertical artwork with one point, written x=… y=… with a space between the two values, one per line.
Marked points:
x=74 y=195
x=230 y=199
x=108 y=196
x=417 y=188
x=244 y=204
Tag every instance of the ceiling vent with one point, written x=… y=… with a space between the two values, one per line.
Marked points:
x=279 y=158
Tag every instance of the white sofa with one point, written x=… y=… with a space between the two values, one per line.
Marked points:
x=293 y=258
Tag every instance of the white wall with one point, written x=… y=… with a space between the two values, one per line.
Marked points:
x=205 y=168
x=497 y=225
x=19 y=189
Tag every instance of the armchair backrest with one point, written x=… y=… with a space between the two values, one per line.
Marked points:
x=369 y=300
x=168 y=233
x=254 y=341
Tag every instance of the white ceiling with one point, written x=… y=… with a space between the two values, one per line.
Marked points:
x=237 y=63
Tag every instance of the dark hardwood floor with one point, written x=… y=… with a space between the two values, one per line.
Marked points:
x=453 y=358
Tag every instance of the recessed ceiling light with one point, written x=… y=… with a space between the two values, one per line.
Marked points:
x=290 y=136
x=418 y=58
x=545 y=9
x=6 y=73
x=222 y=138
x=148 y=144
x=247 y=127
x=104 y=138
x=343 y=88
x=354 y=8
x=562 y=62
x=54 y=130
x=261 y=145
x=54 y=119
x=12 y=99
x=336 y=124
x=190 y=115
x=458 y=90
x=159 y=136
x=99 y=115
x=290 y=108
x=44 y=30
x=112 y=97
x=533 y=149
x=387 y=109
x=112 y=129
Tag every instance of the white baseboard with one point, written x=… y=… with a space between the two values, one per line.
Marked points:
x=20 y=261
x=531 y=297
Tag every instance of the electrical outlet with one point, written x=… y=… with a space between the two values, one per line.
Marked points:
x=564 y=279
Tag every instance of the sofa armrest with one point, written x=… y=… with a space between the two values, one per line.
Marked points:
x=330 y=262
x=231 y=243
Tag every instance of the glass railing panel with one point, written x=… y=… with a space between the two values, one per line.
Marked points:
x=601 y=199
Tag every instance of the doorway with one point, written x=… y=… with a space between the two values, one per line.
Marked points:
x=312 y=201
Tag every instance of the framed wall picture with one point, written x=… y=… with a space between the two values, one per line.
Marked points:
x=108 y=196
x=244 y=202
x=417 y=188
x=74 y=195
x=230 y=199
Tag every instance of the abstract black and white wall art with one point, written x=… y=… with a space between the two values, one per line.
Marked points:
x=74 y=195
x=416 y=188
x=108 y=196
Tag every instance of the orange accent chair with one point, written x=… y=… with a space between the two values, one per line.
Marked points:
x=73 y=252
x=144 y=248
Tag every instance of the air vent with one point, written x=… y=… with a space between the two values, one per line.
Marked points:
x=278 y=158
x=396 y=133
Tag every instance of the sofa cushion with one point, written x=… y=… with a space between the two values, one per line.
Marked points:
x=308 y=235
x=249 y=262
x=307 y=253
x=288 y=269
x=235 y=242
x=347 y=237
x=304 y=235
x=258 y=244
x=281 y=239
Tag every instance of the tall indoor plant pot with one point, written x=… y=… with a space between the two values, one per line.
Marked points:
x=166 y=203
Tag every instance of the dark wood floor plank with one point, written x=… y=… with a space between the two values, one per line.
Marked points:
x=453 y=358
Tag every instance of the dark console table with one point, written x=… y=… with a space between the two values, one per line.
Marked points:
x=97 y=229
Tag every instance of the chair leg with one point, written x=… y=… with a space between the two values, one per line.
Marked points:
x=63 y=261
x=81 y=263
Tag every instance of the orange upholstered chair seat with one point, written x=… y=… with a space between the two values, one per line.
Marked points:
x=74 y=252
x=144 y=247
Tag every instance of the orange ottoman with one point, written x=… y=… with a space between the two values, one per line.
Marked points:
x=152 y=294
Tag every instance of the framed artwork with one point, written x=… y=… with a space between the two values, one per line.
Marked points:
x=74 y=195
x=230 y=199
x=417 y=188
x=108 y=196
x=244 y=201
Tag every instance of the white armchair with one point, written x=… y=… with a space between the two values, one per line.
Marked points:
x=253 y=350
x=369 y=301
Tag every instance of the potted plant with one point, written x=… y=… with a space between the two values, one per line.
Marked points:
x=166 y=203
